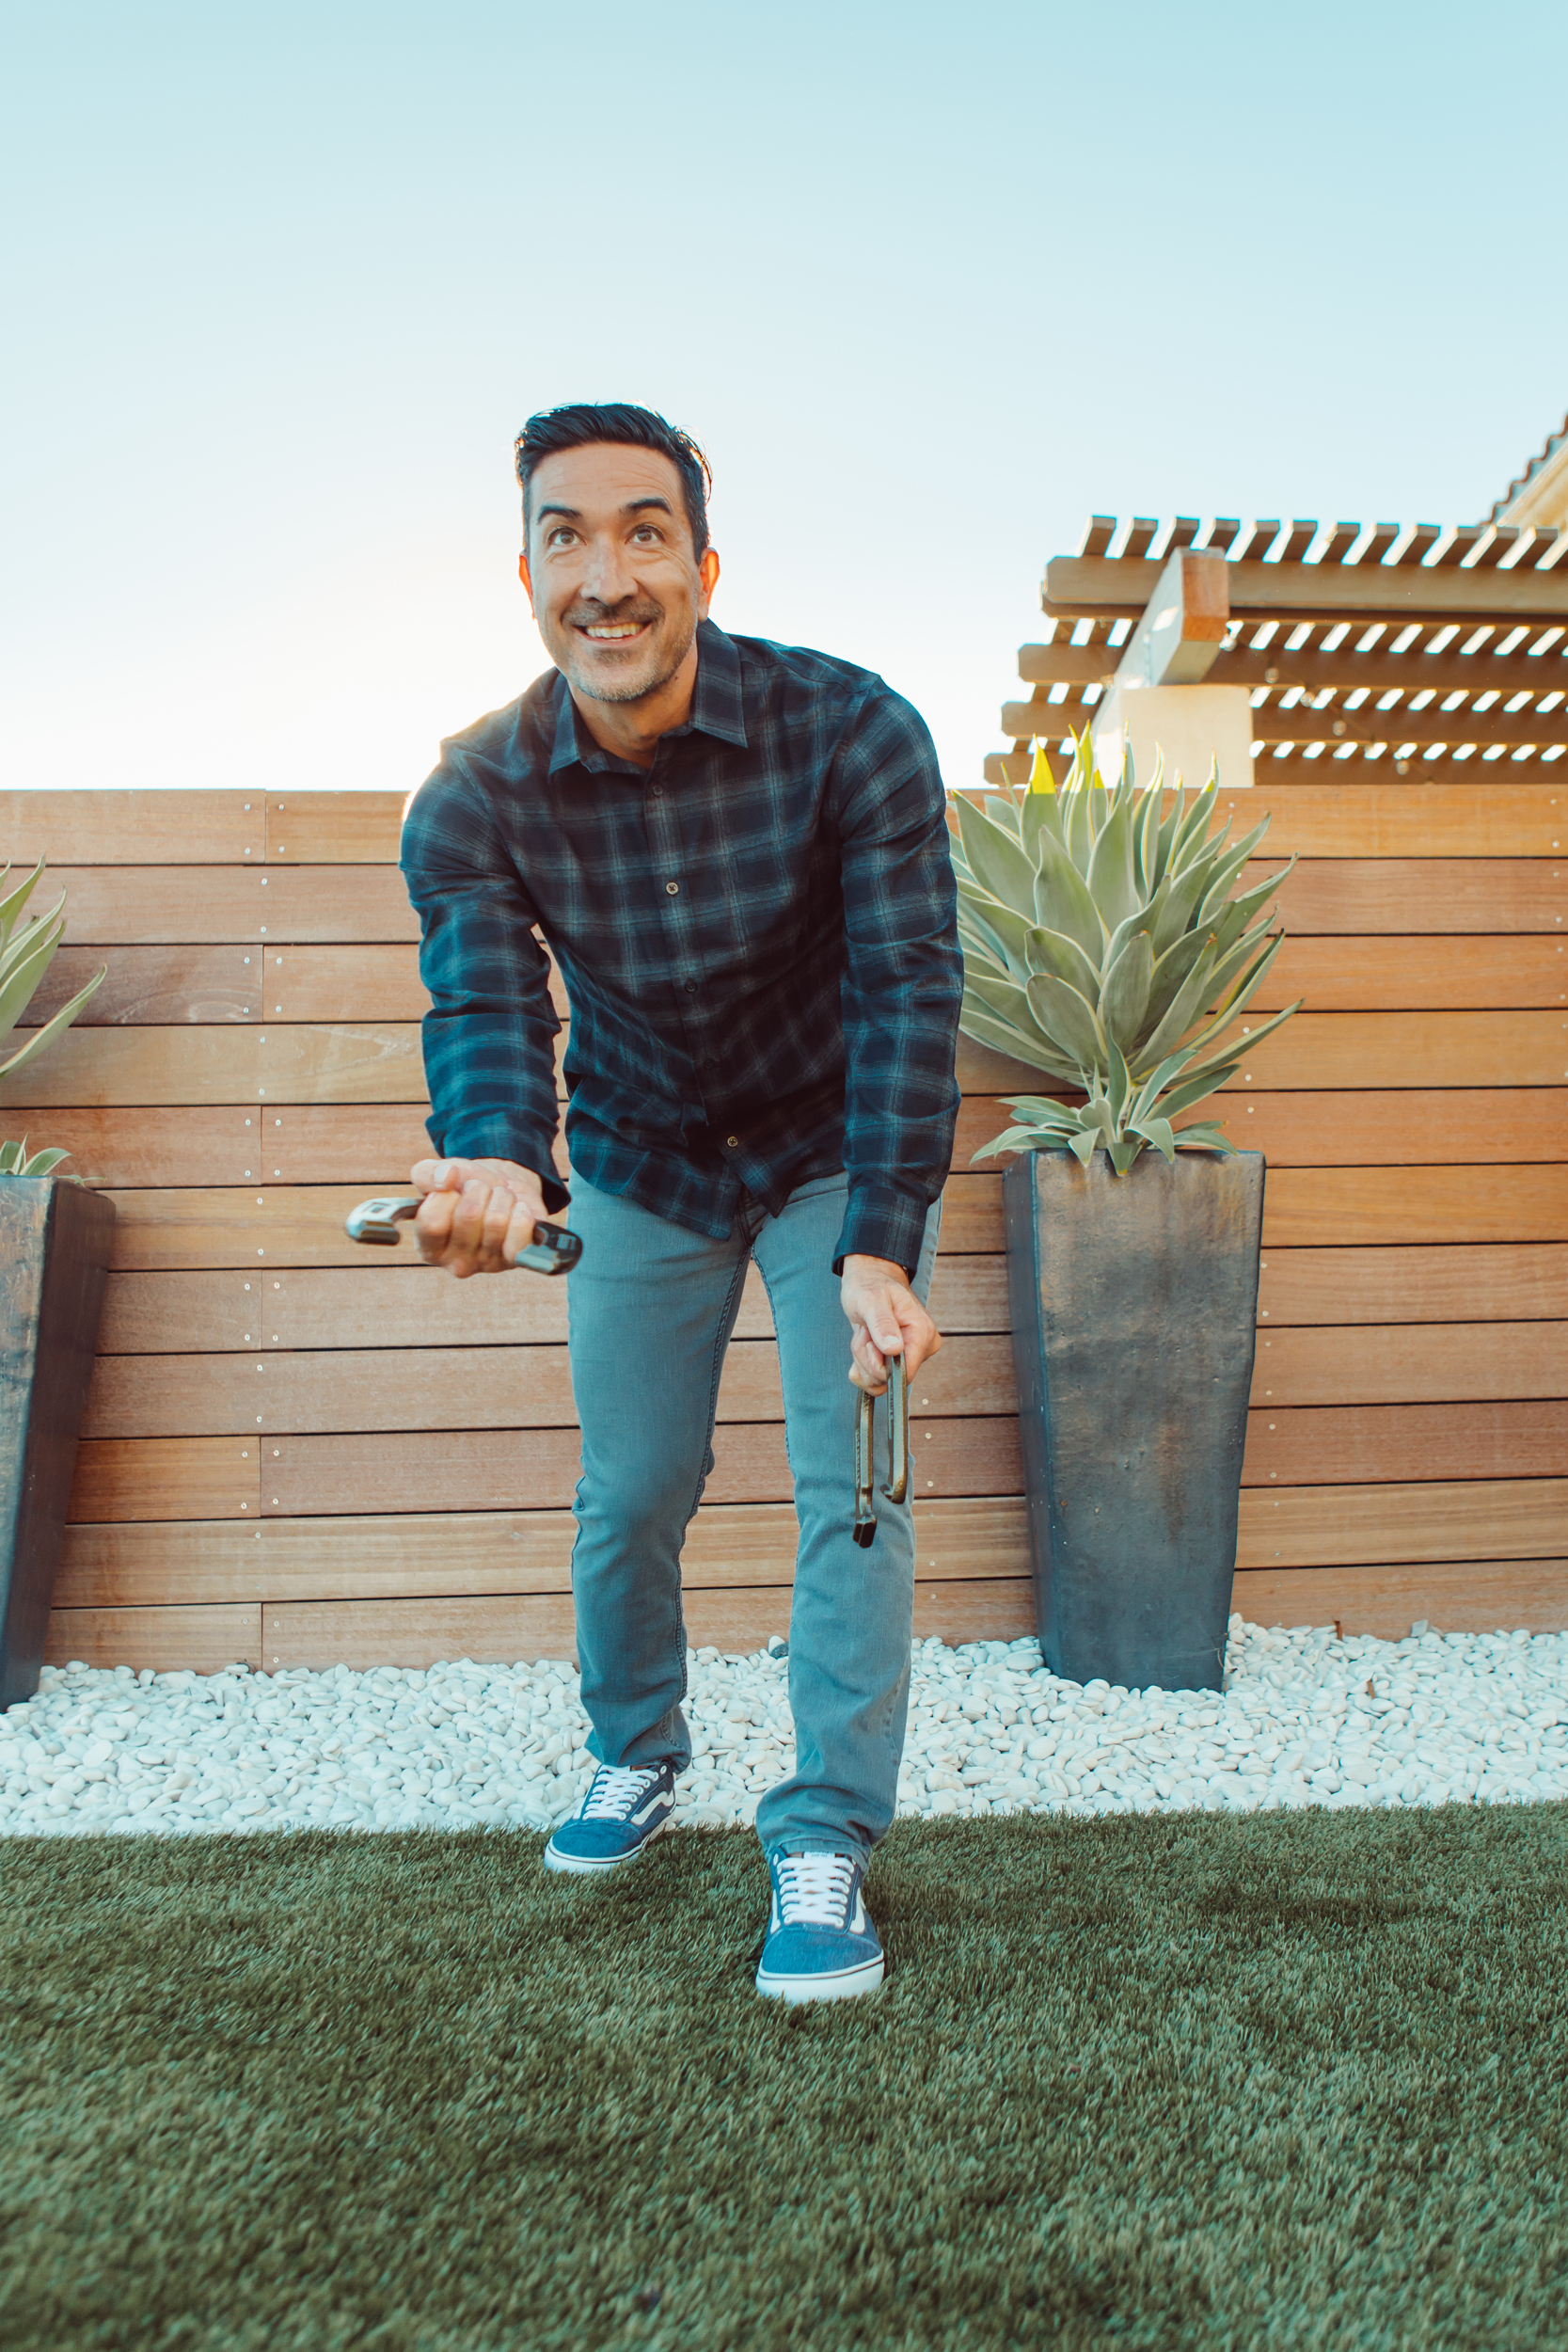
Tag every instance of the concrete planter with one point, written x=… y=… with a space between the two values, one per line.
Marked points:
x=55 y=1244
x=1134 y=1306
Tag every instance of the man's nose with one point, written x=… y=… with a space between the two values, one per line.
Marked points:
x=606 y=575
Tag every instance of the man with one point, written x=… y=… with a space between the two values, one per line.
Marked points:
x=737 y=852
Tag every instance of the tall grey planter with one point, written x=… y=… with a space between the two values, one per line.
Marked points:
x=1134 y=1307
x=54 y=1245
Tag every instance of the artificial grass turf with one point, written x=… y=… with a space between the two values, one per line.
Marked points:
x=1267 y=2080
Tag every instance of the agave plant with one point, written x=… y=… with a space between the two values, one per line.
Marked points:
x=27 y=945
x=1101 y=944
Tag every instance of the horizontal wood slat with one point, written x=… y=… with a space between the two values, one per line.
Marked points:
x=169 y=904
x=131 y=1565
x=169 y=1640
x=1430 y=975
x=374 y=1305
x=167 y=1478
x=506 y=1387
x=1333 y=1445
x=1332 y=1130
x=1376 y=1050
x=1382 y=1601
x=334 y=828
x=1107 y=586
x=522 y=1388
x=119 y=828
x=1367 y=1205
x=371 y=1145
x=1467 y=1597
x=1462 y=1283
x=1356 y=896
x=159 y=987
x=368 y=1062
x=127 y=1565
x=1490 y=814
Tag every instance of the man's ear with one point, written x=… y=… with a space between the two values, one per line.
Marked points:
x=707 y=572
x=526 y=577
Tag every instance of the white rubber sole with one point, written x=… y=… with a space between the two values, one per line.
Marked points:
x=837 y=1984
x=578 y=1866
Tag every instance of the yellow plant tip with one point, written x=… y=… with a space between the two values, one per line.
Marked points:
x=1040 y=777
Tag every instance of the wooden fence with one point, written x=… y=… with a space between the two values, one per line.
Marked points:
x=297 y=1452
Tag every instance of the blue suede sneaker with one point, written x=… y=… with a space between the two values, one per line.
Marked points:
x=626 y=1807
x=821 y=1945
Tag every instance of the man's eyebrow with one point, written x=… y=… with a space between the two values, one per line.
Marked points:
x=574 y=513
x=632 y=506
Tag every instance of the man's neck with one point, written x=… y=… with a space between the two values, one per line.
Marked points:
x=631 y=730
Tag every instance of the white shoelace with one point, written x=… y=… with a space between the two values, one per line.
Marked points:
x=615 y=1790
x=813 y=1889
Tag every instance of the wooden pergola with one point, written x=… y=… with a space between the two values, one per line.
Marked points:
x=1370 y=651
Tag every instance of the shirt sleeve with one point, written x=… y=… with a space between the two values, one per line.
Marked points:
x=489 y=1036
x=903 y=981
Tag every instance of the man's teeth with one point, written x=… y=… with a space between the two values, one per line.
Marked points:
x=621 y=629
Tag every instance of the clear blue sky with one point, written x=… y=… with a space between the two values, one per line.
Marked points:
x=929 y=282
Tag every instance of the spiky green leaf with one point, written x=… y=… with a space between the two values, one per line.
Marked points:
x=1070 y=1020
x=1124 y=997
x=1053 y=951
x=996 y=859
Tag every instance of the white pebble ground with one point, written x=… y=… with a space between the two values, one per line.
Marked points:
x=1305 y=1719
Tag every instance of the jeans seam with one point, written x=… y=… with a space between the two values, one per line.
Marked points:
x=721 y=1347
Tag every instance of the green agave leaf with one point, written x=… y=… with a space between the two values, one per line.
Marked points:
x=1124 y=997
x=982 y=959
x=1148 y=1094
x=1191 y=1090
x=1039 y=1107
x=1085 y=1144
x=983 y=1025
x=1182 y=898
x=15 y=899
x=1124 y=1151
x=1111 y=881
x=50 y=1029
x=996 y=858
x=1070 y=1020
x=27 y=935
x=1006 y=1001
x=1077 y=825
x=1192 y=827
x=1053 y=951
x=40 y=940
x=1016 y=1140
x=1062 y=902
x=1232 y=1012
x=1041 y=814
x=1239 y=1050
x=1237 y=976
x=42 y=1163
x=1118 y=1085
x=1169 y=972
x=1146 y=831
x=1157 y=1132
x=1009 y=931
x=1003 y=810
x=1205 y=1136
x=1183 y=1009
x=1229 y=868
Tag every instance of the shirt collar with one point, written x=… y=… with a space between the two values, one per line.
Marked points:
x=718 y=706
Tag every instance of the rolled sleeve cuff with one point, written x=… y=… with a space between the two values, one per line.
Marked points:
x=497 y=1137
x=882 y=1221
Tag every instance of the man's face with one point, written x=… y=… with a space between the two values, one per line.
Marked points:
x=615 y=587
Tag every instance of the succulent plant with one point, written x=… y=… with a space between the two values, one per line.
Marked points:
x=27 y=945
x=1101 y=944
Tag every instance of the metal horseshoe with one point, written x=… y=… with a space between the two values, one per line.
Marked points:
x=898 y=1449
x=552 y=1250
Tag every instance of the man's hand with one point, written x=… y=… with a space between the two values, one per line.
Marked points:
x=885 y=1319
x=476 y=1214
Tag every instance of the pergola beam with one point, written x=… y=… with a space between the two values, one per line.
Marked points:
x=1184 y=623
x=1413 y=672
x=1120 y=588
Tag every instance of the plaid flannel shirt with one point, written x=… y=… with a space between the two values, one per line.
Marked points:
x=757 y=937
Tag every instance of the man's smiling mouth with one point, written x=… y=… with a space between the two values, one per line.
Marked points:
x=607 y=632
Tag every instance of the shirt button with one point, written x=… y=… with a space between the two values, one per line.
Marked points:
x=733 y=1142
x=691 y=987
x=672 y=889
x=658 y=790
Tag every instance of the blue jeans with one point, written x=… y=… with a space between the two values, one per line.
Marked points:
x=651 y=1308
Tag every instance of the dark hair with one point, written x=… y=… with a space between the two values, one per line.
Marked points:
x=617 y=421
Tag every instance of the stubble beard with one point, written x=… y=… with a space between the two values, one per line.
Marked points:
x=661 y=668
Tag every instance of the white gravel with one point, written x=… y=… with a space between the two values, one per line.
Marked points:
x=1305 y=1719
